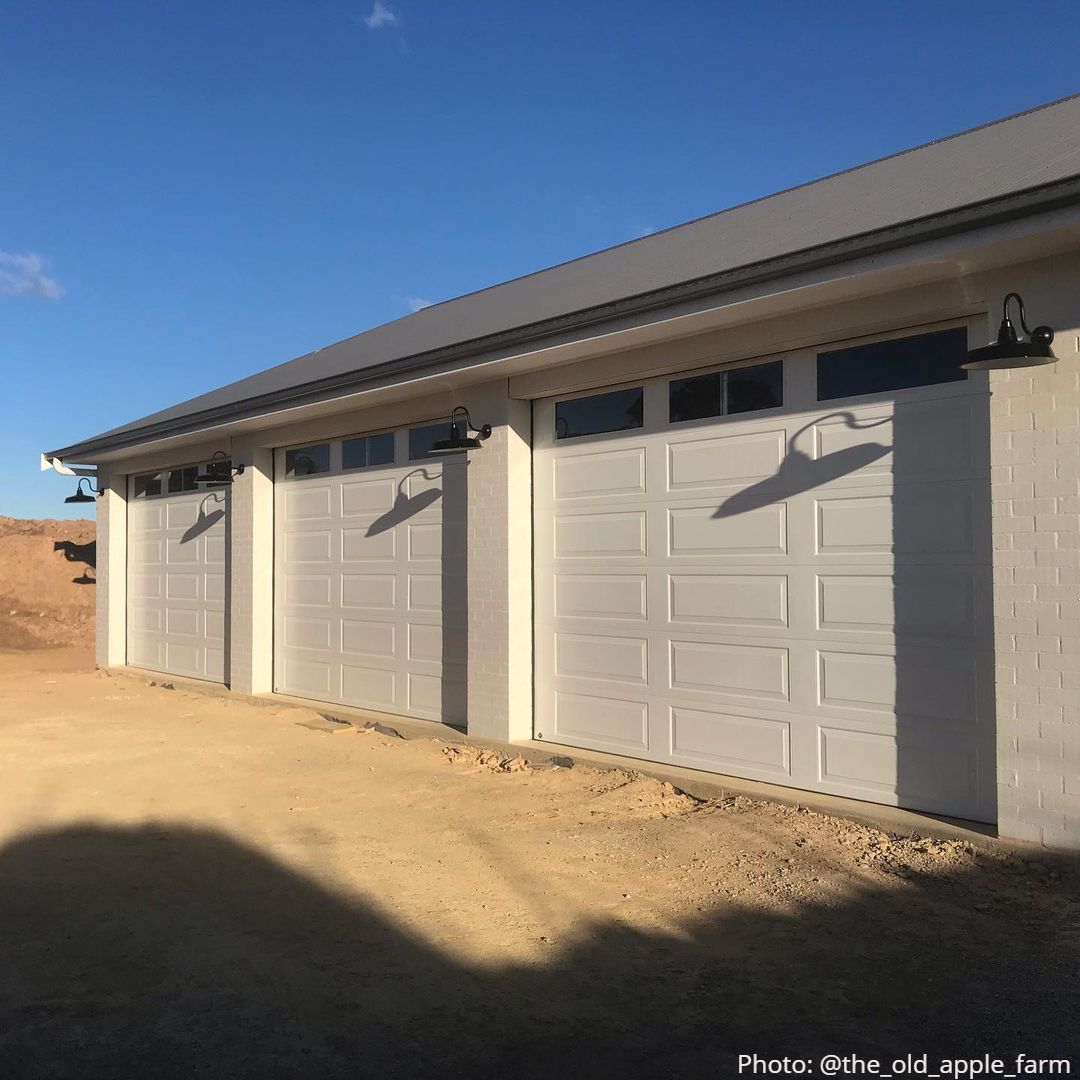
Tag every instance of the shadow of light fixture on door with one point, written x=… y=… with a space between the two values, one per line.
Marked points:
x=81 y=496
x=1010 y=351
x=219 y=470
x=460 y=440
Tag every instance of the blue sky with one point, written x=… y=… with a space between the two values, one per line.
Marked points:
x=191 y=191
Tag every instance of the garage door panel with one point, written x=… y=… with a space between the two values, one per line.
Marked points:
x=214 y=588
x=724 y=667
x=214 y=628
x=307 y=633
x=729 y=599
x=181 y=552
x=601 y=596
x=214 y=664
x=922 y=773
x=911 y=682
x=611 y=535
x=601 y=722
x=426 y=541
x=214 y=550
x=307 y=677
x=425 y=694
x=727 y=741
x=923 y=602
x=145 y=553
x=364 y=569
x=367 y=497
x=307 y=589
x=605 y=472
x=146 y=586
x=918 y=521
x=363 y=545
x=723 y=460
x=425 y=592
x=183 y=621
x=819 y=570
x=697 y=531
x=145 y=650
x=183 y=659
x=308 y=547
x=367 y=637
x=376 y=687
x=305 y=502
x=375 y=591
x=624 y=659
x=180 y=586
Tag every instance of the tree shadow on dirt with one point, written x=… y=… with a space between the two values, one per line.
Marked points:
x=171 y=952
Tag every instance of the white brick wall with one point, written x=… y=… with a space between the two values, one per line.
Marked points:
x=1035 y=487
x=110 y=640
x=251 y=571
x=500 y=570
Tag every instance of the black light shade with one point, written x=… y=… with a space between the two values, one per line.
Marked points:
x=81 y=496
x=460 y=440
x=1009 y=351
x=219 y=470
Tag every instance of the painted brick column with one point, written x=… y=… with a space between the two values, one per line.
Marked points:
x=110 y=636
x=1035 y=491
x=500 y=569
x=250 y=541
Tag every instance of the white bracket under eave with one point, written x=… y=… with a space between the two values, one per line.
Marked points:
x=55 y=463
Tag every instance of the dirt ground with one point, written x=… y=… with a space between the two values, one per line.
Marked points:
x=47 y=581
x=192 y=886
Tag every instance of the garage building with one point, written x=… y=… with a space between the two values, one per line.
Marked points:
x=732 y=501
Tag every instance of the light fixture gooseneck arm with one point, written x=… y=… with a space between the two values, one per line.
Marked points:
x=1042 y=334
x=1020 y=304
x=484 y=431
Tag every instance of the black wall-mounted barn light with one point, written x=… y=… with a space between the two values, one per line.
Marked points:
x=460 y=440
x=81 y=496
x=220 y=470
x=1009 y=351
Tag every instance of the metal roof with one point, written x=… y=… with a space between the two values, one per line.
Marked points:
x=1031 y=150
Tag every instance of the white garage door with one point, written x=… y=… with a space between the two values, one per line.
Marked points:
x=779 y=571
x=177 y=583
x=370 y=574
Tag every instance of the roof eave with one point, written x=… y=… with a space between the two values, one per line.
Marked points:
x=1010 y=207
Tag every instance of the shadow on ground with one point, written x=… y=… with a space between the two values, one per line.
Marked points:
x=176 y=953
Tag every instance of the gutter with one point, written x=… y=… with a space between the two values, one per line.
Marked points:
x=1058 y=195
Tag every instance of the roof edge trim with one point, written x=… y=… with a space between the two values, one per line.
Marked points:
x=1014 y=206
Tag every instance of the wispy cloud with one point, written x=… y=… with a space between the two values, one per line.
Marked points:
x=642 y=230
x=24 y=275
x=381 y=16
x=417 y=303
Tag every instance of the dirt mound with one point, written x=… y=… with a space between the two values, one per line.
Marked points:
x=47 y=574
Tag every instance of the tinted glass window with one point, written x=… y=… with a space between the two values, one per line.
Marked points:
x=899 y=364
x=722 y=392
x=616 y=411
x=380 y=449
x=753 y=388
x=305 y=460
x=696 y=398
x=368 y=450
x=183 y=479
x=147 y=484
x=422 y=439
